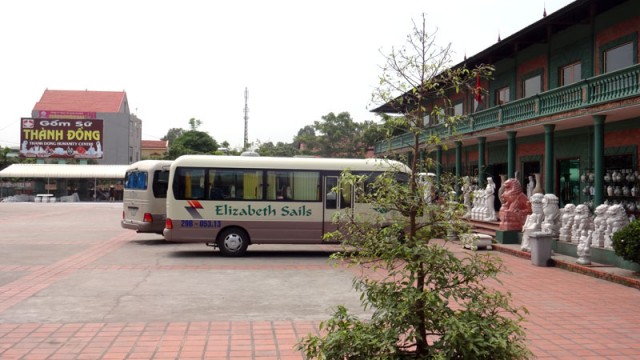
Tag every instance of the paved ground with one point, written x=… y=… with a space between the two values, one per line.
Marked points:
x=73 y=285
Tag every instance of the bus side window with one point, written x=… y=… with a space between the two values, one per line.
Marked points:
x=345 y=196
x=331 y=200
x=216 y=194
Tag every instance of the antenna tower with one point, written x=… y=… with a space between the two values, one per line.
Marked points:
x=246 y=119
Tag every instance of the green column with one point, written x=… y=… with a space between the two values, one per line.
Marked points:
x=511 y=154
x=438 y=162
x=481 y=177
x=549 y=157
x=598 y=158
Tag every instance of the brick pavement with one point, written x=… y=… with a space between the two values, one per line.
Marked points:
x=571 y=316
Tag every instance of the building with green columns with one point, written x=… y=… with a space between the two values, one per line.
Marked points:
x=563 y=107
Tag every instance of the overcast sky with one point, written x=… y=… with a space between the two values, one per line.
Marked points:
x=181 y=59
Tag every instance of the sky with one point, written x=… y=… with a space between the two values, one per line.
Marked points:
x=177 y=60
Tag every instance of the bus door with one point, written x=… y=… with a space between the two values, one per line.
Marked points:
x=334 y=201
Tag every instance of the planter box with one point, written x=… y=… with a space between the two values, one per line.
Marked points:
x=476 y=241
x=508 y=237
x=598 y=255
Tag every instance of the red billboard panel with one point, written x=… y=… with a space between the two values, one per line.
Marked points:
x=61 y=138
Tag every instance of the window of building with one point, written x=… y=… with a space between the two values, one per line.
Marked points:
x=433 y=119
x=502 y=95
x=618 y=57
x=458 y=109
x=532 y=86
x=571 y=73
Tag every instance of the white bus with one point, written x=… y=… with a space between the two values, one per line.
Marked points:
x=145 y=196
x=231 y=202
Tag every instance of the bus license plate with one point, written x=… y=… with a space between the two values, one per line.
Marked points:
x=200 y=224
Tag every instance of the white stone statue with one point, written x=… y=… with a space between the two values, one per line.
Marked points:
x=616 y=220
x=581 y=223
x=584 y=249
x=490 y=195
x=567 y=214
x=530 y=186
x=533 y=222
x=599 y=226
x=466 y=196
x=552 y=221
x=478 y=205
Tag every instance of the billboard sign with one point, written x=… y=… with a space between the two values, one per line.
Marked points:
x=76 y=115
x=61 y=138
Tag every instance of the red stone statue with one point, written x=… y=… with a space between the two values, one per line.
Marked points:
x=515 y=208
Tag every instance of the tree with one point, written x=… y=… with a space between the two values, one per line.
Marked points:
x=427 y=302
x=340 y=136
x=5 y=159
x=194 y=124
x=173 y=134
x=192 y=142
x=306 y=140
x=279 y=149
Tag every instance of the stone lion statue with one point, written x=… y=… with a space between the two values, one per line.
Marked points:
x=599 y=225
x=616 y=220
x=515 y=208
x=568 y=213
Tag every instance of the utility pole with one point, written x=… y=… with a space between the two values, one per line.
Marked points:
x=246 y=119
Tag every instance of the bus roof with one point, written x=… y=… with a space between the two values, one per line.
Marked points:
x=149 y=164
x=266 y=162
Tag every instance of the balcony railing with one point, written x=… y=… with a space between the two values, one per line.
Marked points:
x=600 y=89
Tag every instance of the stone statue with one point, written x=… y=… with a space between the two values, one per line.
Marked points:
x=533 y=222
x=583 y=249
x=489 y=198
x=466 y=196
x=616 y=220
x=568 y=212
x=581 y=223
x=478 y=205
x=515 y=208
x=551 y=224
x=530 y=185
x=599 y=226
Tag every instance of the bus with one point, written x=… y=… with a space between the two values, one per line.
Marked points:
x=231 y=202
x=145 y=196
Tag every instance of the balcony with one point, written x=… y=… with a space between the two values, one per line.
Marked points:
x=614 y=86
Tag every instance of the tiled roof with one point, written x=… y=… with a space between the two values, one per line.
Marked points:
x=78 y=100
x=155 y=144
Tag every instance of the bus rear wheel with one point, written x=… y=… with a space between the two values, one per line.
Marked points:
x=233 y=242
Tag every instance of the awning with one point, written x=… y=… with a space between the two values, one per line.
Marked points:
x=64 y=171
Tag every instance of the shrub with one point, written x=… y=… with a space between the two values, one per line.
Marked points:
x=626 y=242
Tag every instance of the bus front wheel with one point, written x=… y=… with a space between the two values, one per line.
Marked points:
x=233 y=242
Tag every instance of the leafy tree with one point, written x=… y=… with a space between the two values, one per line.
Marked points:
x=192 y=142
x=173 y=134
x=306 y=140
x=279 y=149
x=341 y=136
x=194 y=123
x=5 y=159
x=427 y=303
